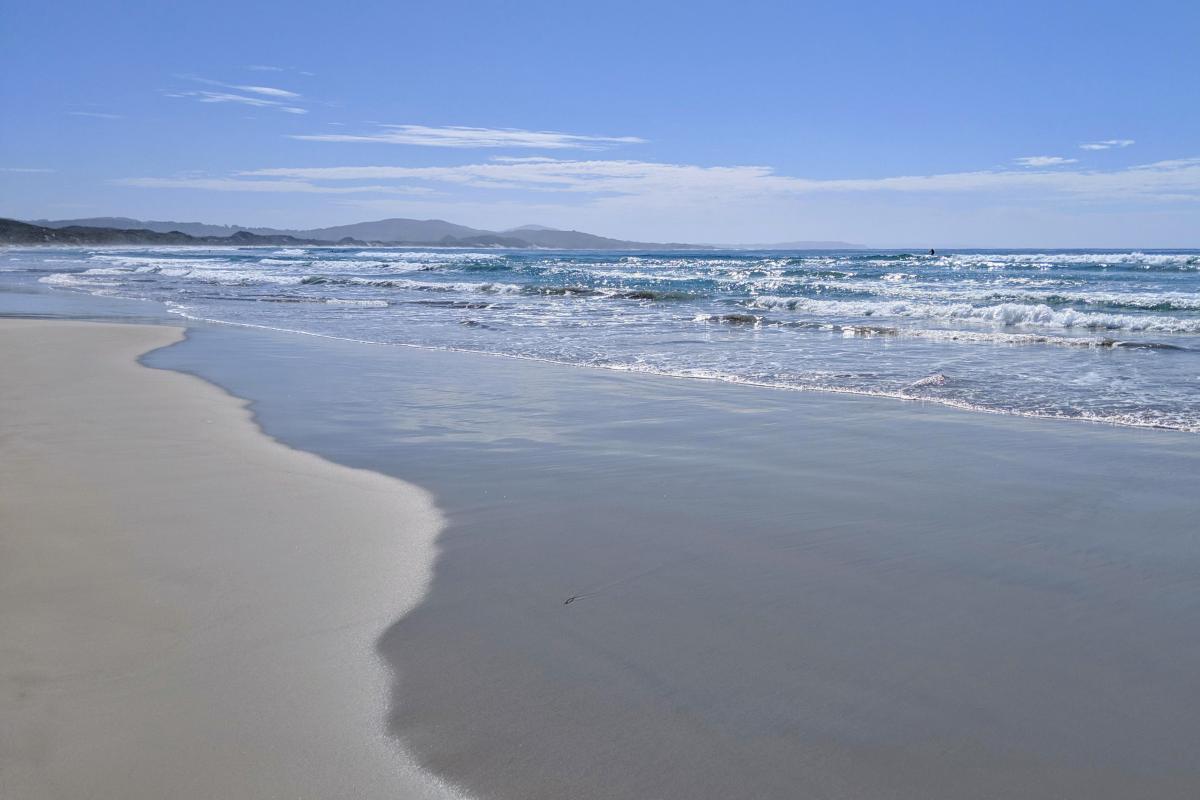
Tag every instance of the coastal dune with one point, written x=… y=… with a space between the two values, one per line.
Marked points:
x=188 y=608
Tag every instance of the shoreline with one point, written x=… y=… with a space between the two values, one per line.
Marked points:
x=766 y=576
x=1030 y=351
x=181 y=613
x=900 y=396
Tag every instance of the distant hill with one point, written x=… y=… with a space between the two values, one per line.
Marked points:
x=157 y=226
x=403 y=231
x=396 y=231
x=540 y=236
x=386 y=230
x=15 y=232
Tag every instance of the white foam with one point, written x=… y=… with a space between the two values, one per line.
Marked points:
x=339 y=301
x=465 y=287
x=409 y=255
x=156 y=260
x=1187 y=261
x=936 y=379
x=222 y=275
x=1009 y=314
x=74 y=280
x=991 y=291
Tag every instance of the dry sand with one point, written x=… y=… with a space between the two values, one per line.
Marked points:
x=188 y=609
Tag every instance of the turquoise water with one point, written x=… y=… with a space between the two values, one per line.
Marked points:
x=1107 y=336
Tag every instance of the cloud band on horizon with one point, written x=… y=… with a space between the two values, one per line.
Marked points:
x=459 y=136
x=1173 y=180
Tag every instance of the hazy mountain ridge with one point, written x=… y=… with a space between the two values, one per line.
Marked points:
x=15 y=232
x=578 y=240
x=397 y=230
x=156 y=226
x=384 y=230
x=394 y=231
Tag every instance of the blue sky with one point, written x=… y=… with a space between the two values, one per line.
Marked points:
x=940 y=123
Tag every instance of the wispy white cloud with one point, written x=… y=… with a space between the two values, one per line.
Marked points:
x=1106 y=144
x=284 y=186
x=249 y=95
x=96 y=114
x=683 y=183
x=464 y=137
x=25 y=169
x=269 y=91
x=1044 y=161
x=524 y=159
x=272 y=68
x=205 y=96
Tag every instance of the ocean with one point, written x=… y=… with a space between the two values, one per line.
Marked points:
x=1108 y=336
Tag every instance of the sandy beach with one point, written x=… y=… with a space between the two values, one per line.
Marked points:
x=778 y=594
x=188 y=608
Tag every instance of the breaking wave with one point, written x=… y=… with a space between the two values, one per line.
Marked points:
x=1096 y=335
x=1012 y=314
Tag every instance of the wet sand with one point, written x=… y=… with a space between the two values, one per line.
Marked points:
x=780 y=594
x=188 y=609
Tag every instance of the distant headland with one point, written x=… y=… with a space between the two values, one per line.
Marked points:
x=385 y=232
